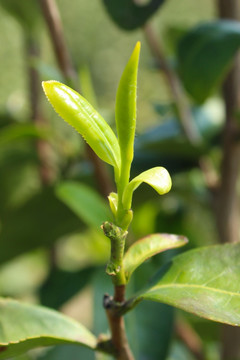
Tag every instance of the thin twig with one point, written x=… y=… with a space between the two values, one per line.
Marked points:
x=62 y=54
x=182 y=105
x=227 y=208
x=183 y=109
x=190 y=338
x=47 y=173
x=54 y=23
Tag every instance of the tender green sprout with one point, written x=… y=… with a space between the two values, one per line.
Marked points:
x=77 y=111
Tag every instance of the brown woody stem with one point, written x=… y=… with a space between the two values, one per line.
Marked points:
x=119 y=340
x=227 y=211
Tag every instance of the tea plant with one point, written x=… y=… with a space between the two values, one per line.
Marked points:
x=204 y=281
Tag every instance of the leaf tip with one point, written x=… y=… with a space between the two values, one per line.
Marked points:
x=49 y=85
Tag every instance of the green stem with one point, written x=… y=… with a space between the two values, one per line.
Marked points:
x=117 y=237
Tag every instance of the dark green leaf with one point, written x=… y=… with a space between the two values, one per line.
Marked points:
x=128 y=14
x=16 y=131
x=150 y=324
x=62 y=285
x=39 y=222
x=85 y=202
x=205 y=55
x=154 y=329
x=24 y=327
x=205 y=282
x=63 y=352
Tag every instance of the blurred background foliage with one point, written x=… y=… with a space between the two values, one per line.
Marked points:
x=51 y=193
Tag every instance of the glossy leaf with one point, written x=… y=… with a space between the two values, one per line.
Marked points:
x=205 y=54
x=128 y=14
x=205 y=282
x=147 y=247
x=126 y=109
x=84 y=202
x=24 y=327
x=157 y=177
x=76 y=111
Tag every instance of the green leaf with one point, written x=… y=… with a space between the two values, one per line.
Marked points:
x=154 y=329
x=52 y=294
x=63 y=352
x=128 y=14
x=147 y=247
x=126 y=111
x=113 y=202
x=46 y=218
x=205 y=282
x=205 y=55
x=77 y=112
x=157 y=177
x=150 y=325
x=84 y=202
x=24 y=327
x=13 y=132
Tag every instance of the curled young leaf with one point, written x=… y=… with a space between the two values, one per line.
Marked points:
x=147 y=247
x=126 y=111
x=157 y=177
x=113 y=202
x=77 y=112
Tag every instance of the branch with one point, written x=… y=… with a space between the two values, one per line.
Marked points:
x=182 y=105
x=183 y=109
x=47 y=173
x=116 y=324
x=190 y=338
x=54 y=23
x=227 y=208
x=62 y=54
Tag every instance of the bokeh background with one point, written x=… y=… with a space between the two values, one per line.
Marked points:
x=52 y=249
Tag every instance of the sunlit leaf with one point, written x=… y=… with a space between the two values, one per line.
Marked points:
x=24 y=327
x=113 y=202
x=205 y=54
x=205 y=282
x=157 y=177
x=126 y=109
x=147 y=247
x=77 y=112
x=85 y=202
